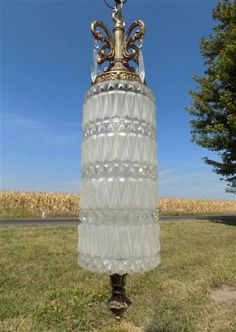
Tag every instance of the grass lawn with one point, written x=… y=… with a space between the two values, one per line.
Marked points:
x=43 y=289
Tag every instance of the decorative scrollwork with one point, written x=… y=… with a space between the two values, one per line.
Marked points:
x=106 y=51
x=130 y=49
x=118 y=48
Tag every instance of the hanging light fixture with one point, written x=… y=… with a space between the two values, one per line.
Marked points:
x=119 y=230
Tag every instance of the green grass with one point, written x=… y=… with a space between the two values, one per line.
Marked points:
x=43 y=289
x=21 y=213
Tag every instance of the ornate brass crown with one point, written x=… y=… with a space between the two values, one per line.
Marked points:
x=118 y=48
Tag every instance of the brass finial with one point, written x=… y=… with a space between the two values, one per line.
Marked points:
x=119 y=47
x=119 y=302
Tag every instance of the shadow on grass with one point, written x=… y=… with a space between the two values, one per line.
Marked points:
x=227 y=220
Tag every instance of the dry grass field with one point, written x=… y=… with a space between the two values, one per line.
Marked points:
x=42 y=289
x=32 y=204
x=185 y=206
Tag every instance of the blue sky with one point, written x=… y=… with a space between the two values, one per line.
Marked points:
x=45 y=72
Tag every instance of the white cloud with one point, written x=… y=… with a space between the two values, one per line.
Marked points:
x=192 y=184
x=39 y=132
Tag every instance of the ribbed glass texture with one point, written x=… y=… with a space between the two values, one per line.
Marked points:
x=119 y=230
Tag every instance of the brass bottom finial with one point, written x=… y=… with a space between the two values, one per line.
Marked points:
x=118 y=303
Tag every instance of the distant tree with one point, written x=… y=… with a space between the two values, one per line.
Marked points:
x=214 y=103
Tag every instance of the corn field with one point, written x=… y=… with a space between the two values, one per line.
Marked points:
x=37 y=204
x=188 y=206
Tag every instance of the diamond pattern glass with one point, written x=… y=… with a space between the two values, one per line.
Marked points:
x=119 y=230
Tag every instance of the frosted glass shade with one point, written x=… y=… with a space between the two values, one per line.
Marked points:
x=119 y=230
